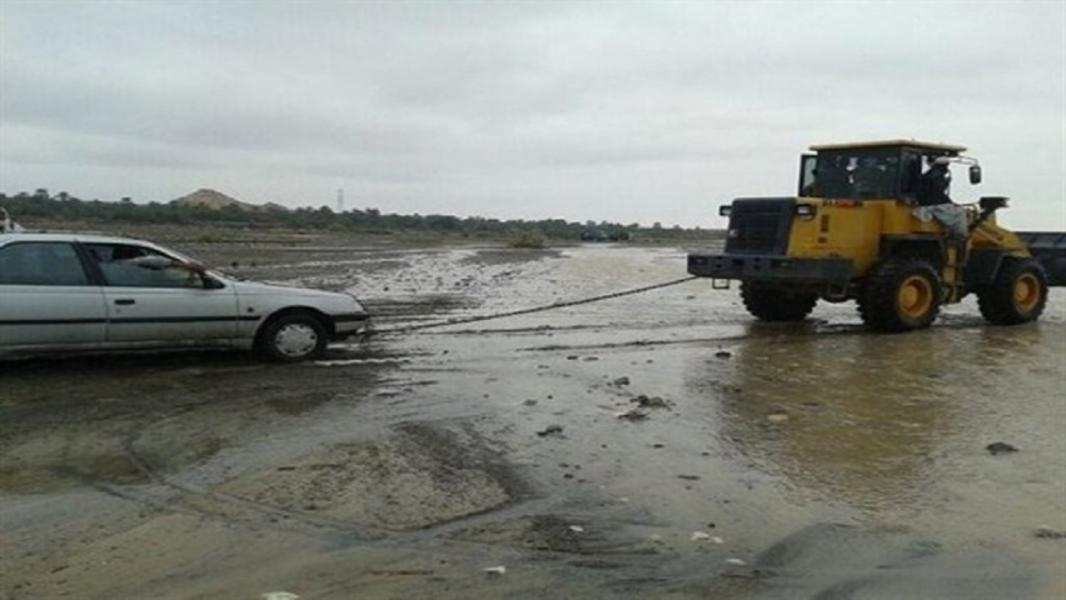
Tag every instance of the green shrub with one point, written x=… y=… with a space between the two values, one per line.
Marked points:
x=526 y=239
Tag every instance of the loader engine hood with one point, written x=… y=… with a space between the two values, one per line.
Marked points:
x=760 y=226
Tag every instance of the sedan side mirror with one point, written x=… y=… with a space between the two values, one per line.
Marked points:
x=210 y=283
x=975 y=174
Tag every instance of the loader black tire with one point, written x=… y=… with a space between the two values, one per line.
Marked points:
x=775 y=304
x=1018 y=294
x=901 y=294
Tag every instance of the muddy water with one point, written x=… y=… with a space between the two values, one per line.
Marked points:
x=809 y=460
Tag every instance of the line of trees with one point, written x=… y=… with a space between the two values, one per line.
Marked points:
x=63 y=207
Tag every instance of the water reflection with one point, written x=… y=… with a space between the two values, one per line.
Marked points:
x=853 y=416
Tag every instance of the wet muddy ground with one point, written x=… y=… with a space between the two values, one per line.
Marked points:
x=658 y=445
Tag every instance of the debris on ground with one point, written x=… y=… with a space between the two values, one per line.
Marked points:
x=1047 y=533
x=279 y=596
x=551 y=430
x=777 y=417
x=723 y=354
x=498 y=570
x=652 y=402
x=577 y=529
x=735 y=561
x=1000 y=448
x=689 y=477
x=633 y=415
x=621 y=381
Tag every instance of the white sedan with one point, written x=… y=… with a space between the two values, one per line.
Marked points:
x=70 y=292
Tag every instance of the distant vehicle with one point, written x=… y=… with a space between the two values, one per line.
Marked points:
x=71 y=292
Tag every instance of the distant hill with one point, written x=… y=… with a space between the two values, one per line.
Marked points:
x=216 y=200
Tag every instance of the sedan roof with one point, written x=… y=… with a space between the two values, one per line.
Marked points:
x=67 y=237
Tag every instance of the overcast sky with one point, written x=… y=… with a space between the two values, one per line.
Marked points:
x=637 y=111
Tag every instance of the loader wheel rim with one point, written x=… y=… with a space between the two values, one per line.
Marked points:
x=1026 y=292
x=915 y=297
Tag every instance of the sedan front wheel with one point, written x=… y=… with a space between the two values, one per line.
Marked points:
x=292 y=338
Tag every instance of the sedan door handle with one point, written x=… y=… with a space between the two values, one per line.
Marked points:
x=125 y=302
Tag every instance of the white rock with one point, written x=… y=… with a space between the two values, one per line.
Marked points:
x=279 y=596
x=736 y=561
x=577 y=529
x=500 y=570
x=699 y=536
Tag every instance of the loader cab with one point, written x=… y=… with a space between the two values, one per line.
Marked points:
x=888 y=170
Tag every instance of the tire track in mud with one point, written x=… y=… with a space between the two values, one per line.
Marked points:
x=362 y=532
x=460 y=531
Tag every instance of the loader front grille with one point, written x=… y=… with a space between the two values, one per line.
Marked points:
x=760 y=226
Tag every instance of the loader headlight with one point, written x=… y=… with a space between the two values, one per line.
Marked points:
x=805 y=211
x=725 y=210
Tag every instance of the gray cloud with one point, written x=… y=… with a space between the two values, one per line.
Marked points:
x=627 y=111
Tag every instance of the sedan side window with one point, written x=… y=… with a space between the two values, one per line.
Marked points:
x=41 y=263
x=126 y=265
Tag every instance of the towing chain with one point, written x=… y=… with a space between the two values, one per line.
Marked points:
x=525 y=311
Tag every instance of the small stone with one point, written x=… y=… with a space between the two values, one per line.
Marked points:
x=573 y=357
x=551 y=430
x=723 y=354
x=1000 y=448
x=652 y=402
x=735 y=561
x=655 y=538
x=496 y=571
x=279 y=596
x=778 y=417
x=621 y=381
x=689 y=477
x=633 y=415
x=700 y=536
x=590 y=358
x=1047 y=533
x=577 y=529
x=529 y=402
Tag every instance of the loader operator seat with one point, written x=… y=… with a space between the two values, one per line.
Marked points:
x=934 y=183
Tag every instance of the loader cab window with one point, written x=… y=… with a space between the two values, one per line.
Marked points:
x=857 y=173
x=808 y=174
x=910 y=175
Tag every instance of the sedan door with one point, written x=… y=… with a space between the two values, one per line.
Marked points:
x=150 y=303
x=47 y=299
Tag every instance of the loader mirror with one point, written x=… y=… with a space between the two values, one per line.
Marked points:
x=975 y=174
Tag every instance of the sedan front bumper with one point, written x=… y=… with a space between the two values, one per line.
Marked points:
x=348 y=324
x=770 y=268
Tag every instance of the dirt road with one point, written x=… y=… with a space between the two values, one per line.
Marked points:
x=750 y=460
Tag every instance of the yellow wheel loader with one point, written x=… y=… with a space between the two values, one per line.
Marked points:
x=873 y=222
